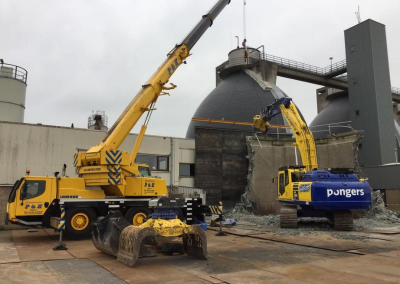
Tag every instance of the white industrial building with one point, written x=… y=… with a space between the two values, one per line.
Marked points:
x=44 y=149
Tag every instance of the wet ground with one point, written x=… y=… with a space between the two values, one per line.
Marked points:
x=250 y=253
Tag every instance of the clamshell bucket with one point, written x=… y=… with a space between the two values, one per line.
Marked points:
x=113 y=236
x=107 y=230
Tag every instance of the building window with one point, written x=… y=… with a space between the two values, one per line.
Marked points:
x=357 y=112
x=162 y=163
x=187 y=170
x=156 y=163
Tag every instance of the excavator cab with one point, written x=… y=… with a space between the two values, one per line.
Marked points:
x=288 y=179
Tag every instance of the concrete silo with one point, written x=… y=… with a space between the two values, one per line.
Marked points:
x=12 y=92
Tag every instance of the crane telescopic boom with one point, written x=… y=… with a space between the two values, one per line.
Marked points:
x=156 y=84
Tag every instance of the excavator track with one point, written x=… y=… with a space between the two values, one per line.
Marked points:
x=343 y=220
x=288 y=216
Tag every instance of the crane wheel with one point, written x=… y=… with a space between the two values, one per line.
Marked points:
x=288 y=216
x=137 y=215
x=343 y=220
x=78 y=222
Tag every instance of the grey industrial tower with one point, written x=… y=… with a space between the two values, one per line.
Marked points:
x=370 y=93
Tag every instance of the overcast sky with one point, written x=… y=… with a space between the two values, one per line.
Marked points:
x=95 y=55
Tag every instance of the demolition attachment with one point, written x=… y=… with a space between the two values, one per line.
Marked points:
x=115 y=236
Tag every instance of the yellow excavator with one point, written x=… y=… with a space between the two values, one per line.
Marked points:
x=306 y=191
x=108 y=178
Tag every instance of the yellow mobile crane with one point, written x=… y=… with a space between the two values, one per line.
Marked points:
x=109 y=179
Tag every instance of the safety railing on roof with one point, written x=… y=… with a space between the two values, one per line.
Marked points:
x=343 y=124
x=13 y=71
x=255 y=57
x=291 y=64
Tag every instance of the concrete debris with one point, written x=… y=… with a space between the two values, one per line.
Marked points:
x=358 y=140
x=247 y=201
x=377 y=215
x=239 y=213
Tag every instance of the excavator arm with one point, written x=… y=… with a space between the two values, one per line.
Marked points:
x=304 y=138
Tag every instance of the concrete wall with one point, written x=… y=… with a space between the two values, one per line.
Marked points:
x=338 y=151
x=44 y=149
x=221 y=164
x=370 y=93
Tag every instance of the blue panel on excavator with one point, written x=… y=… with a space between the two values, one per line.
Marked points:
x=340 y=195
x=336 y=191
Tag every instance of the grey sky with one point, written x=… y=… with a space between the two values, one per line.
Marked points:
x=95 y=55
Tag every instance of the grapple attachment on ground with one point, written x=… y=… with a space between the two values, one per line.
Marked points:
x=113 y=236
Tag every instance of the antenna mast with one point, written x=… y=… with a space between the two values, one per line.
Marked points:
x=244 y=32
x=358 y=15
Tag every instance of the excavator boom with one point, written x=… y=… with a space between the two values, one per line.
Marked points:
x=304 y=137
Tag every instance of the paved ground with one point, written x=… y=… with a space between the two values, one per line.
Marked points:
x=249 y=254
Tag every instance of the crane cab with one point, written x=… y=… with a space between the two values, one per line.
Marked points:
x=29 y=199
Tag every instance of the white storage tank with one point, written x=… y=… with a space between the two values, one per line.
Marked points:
x=12 y=92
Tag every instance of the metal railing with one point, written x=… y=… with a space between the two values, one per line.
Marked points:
x=13 y=71
x=336 y=67
x=332 y=125
x=291 y=64
x=255 y=57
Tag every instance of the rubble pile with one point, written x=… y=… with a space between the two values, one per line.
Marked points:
x=377 y=215
x=240 y=213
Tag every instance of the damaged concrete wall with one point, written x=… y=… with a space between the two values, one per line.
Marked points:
x=221 y=164
x=267 y=155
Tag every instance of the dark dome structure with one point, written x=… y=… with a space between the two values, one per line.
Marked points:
x=336 y=114
x=239 y=97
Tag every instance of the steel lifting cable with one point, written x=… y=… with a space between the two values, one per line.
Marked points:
x=148 y=116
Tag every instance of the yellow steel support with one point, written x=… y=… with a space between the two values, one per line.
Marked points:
x=137 y=144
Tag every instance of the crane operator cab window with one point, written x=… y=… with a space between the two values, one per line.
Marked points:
x=144 y=171
x=32 y=188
